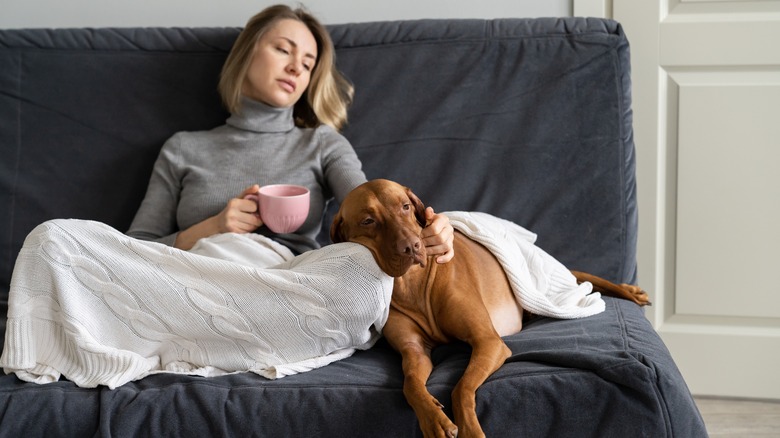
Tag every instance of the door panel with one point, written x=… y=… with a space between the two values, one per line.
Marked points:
x=728 y=196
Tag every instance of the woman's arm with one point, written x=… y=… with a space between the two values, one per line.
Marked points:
x=155 y=219
x=341 y=167
x=238 y=216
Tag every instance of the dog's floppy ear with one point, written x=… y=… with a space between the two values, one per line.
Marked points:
x=419 y=207
x=336 y=236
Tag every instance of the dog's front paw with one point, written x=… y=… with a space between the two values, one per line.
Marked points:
x=434 y=423
x=437 y=427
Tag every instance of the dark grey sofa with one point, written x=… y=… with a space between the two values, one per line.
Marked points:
x=529 y=120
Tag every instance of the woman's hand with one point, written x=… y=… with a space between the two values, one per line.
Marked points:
x=238 y=216
x=438 y=236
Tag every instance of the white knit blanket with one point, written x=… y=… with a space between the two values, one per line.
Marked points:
x=542 y=284
x=101 y=308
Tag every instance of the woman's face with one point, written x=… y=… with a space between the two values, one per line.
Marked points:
x=281 y=65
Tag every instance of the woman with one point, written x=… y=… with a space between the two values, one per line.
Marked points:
x=287 y=101
x=102 y=308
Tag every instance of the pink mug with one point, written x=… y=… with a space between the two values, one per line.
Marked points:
x=283 y=207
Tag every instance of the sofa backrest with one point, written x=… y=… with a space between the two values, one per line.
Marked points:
x=529 y=120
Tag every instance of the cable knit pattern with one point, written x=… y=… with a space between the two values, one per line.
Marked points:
x=101 y=308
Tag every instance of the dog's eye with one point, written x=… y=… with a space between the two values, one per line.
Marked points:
x=367 y=221
x=407 y=206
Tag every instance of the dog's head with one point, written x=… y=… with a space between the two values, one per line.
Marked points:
x=387 y=218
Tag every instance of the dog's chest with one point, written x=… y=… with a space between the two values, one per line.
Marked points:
x=413 y=297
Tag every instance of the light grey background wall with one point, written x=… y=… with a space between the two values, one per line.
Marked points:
x=131 y=13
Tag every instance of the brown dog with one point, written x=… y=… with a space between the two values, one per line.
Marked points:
x=468 y=299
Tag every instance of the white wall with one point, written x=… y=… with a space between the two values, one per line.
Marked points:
x=131 y=13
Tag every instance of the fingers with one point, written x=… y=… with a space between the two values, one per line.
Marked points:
x=446 y=257
x=429 y=216
x=239 y=216
x=438 y=237
x=251 y=190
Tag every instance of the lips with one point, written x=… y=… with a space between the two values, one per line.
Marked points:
x=287 y=85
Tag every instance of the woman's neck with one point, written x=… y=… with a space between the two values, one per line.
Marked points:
x=259 y=117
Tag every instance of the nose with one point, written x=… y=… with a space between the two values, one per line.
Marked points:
x=409 y=246
x=295 y=67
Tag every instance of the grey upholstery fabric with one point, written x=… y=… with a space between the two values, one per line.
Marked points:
x=529 y=120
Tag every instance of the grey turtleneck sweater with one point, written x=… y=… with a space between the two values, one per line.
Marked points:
x=197 y=173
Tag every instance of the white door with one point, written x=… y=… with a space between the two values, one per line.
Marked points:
x=706 y=100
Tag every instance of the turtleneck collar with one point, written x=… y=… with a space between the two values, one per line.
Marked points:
x=259 y=117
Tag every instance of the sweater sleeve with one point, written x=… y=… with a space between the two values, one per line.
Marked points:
x=155 y=220
x=341 y=166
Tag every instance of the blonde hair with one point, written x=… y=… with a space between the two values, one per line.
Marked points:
x=329 y=94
